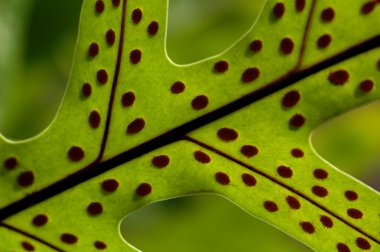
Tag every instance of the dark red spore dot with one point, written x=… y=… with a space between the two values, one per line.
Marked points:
x=27 y=246
x=291 y=99
x=86 y=89
x=94 y=119
x=319 y=191
x=110 y=185
x=297 y=121
x=326 y=221
x=342 y=247
x=250 y=74
x=99 y=6
x=100 y=245
x=248 y=179
x=95 y=208
x=202 y=157
x=135 y=56
x=286 y=46
x=339 y=77
x=300 y=5
x=221 y=66
x=110 y=37
x=270 y=206
x=328 y=14
x=116 y=3
x=363 y=243
x=199 y=102
x=76 y=153
x=351 y=195
x=128 y=99
x=153 y=28
x=354 y=213
x=366 y=86
x=69 y=238
x=368 y=7
x=320 y=174
x=161 y=161
x=256 y=45
x=93 y=50
x=249 y=151
x=143 y=189
x=222 y=178
x=297 y=153
x=178 y=87
x=324 y=41
x=307 y=227
x=10 y=163
x=378 y=65
x=136 y=16
x=227 y=134
x=102 y=76
x=284 y=171
x=279 y=10
x=293 y=202
x=40 y=220
x=25 y=179
x=136 y=126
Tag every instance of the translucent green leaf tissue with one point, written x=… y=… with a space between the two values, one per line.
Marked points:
x=134 y=128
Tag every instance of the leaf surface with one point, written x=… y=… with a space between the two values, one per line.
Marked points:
x=134 y=128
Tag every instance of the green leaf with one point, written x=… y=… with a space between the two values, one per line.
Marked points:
x=237 y=124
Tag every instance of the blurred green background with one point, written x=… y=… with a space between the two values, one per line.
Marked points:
x=37 y=45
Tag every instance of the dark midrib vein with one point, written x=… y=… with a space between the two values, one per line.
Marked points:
x=114 y=84
x=171 y=136
x=96 y=168
x=19 y=231
x=306 y=34
x=278 y=182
